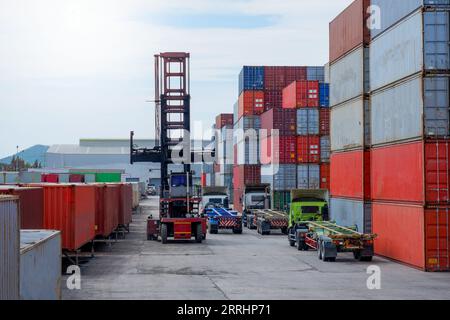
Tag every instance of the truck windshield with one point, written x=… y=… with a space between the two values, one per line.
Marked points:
x=215 y=200
x=179 y=181
x=258 y=198
x=310 y=209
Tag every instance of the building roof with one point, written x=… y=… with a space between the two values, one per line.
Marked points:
x=75 y=149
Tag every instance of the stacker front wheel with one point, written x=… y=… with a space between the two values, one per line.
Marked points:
x=198 y=233
x=163 y=233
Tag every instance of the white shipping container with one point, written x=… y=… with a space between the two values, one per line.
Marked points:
x=9 y=248
x=40 y=265
x=350 y=213
x=327 y=73
x=347 y=125
x=347 y=76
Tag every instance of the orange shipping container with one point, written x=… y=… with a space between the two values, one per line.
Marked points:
x=126 y=204
x=301 y=94
x=346 y=174
x=251 y=102
x=107 y=208
x=413 y=235
x=325 y=176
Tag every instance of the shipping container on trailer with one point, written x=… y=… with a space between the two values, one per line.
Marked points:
x=31 y=205
x=308 y=149
x=10 y=246
x=251 y=78
x=108 y=177
x=126 y=204
x=351 y=213
x=279 y=150
x=413 y=234
x=349 y=29
x=307 y=121
x=283 y=120
x=251 y=102
x=301 y=94
x=281 y=200
x=107 y=209
x=40 y=265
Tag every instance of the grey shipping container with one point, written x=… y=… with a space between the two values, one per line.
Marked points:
x=402 y=111
x=236 y=112
x=307 y=121
x=308 y=176
x=29 y=177
x=280 y=177
x=9 y=248
x=391 y=12
x=315 y=74
x=419 y=42
x=63 y=177
x=249 y=122
x=349 y=76
x=40 y=265
x=89 y=178
x=349 y=213
x=248 y=152
x=325 y=149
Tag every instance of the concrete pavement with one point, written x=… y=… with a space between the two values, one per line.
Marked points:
x=247 y=266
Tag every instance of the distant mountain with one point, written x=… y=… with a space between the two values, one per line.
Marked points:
x=30 y=155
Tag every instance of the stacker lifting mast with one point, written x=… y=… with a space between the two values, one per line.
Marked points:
x=179 y=216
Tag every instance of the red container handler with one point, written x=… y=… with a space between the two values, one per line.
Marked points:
x=50 y=178
x=324 y=121
x=308 y=149
x=413 y=234
x=301 y=94
x=223 y=120
x=107 y=208
x=283 y=120
x=126 y=204
x=76 y=178
x=70 y=208
x=349 y=29
x=31 y=205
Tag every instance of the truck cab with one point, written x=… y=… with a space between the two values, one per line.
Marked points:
x=254 y=197
x=214 y=197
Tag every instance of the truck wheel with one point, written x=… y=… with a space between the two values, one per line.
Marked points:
x=291 y=243
x=319 y=250
x=357 y=255
x=284 y=230
x=299 y=245
x=149 y=237
x=237 y=231
x=366 y=259
x=163 y=233
x=198 y=233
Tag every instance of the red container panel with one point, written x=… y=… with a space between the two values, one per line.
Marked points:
x=50 y=178
x=76 y=178
x=349 y=29
x=282 y=151
x=277 y=78
x=308 y=149
x=126 y=204
x=301 y=94
x=224 y=119
x=251 y=103
x=437 y=239
x=246 y=174
x=31 y=205
x=397 y=172
x=324 y=121
x=325 y=176
x=283 y=120
x=237 y=200
x=437 y=171
x=346 y=174
x=107 y=209
x=273 y=99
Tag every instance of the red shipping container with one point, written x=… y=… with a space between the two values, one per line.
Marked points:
x=281 y=151
x=308 y=149
x=76 y=178
x=224 y=119
x=126 y=204
x=237 y=200
x=31 y=205
x=301 y=94
x=325 y=176
x=251 y=103
x=349 y=29
x=216 y=167
x=70 y=208
x=283 y=120
x=273 y=99
x=413 y=234
x=324 y=121
x=50 y=178
x=437 y=179
x=203 y=180
x=107 y=208
x=346 y=174
x=295 y=74
x=277 y=78
x=246 y=174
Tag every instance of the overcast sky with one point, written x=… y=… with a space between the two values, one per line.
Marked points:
x=73 y=69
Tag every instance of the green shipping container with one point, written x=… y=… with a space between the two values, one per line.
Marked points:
x=103 y=177
x=281 y=200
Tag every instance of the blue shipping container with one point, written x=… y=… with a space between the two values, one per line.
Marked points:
x=324 y=94
x=315 y=74
x=251 y=78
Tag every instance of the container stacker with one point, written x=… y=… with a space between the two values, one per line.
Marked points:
x=223 y=219
x=179 y=216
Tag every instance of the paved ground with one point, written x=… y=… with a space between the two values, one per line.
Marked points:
x=246 y=266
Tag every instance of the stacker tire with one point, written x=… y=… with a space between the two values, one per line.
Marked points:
x=357 y=255
x=149 y=237
x=198 y=233
x=330 y=260
x=284 y=230
x=163 y=233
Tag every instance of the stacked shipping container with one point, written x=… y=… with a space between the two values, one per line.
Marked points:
x=223 y=166
x=350 y=139
x=410 y=130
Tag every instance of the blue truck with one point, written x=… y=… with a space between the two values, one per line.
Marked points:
x=223 y=219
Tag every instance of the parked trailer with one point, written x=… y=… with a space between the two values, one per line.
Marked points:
x=329 y=239
x=267 y=220
x=225 y=219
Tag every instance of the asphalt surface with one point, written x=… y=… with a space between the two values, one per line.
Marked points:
x=247 y=266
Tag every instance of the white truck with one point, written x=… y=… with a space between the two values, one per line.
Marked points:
x=256 y=197
x=214 y=197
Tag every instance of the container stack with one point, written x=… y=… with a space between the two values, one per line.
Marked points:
x=350 y=118
x=223 y=166
x=409 y=83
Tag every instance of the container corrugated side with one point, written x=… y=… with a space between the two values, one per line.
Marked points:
x=9 y=247
x=308 y=176
x=315 y=74
x=126 y=204
x=40 y=265
x=347 y=77
x=307 y=121
x=347 y=174
x=347 y=212
x=280 y=177
x=347 y=125
x=325 y=149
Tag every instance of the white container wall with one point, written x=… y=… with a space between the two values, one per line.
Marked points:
x=308 y=176
x=9 y=248
x=347 y=77
x=40 y=265
x=347 y=212
x=346 y=125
